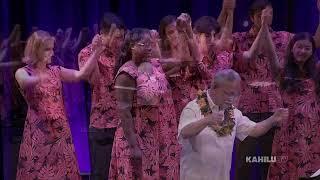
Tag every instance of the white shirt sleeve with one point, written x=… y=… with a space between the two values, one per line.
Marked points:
x=188 y=116
x=191 y=113
x=243 y=126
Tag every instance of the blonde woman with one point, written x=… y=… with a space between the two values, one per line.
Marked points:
x=47 y=150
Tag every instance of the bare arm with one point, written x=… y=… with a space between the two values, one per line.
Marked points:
x=227 y=33
x=226 y=7
x=225 y=42
x=125 y=86
x=194 y=128
x=271 y=51
x=263 y=127
x=266 y=18
x=274 y=61
x=25 y=80
x=198 y=63
x=170 y=66
x=222 y=17
x=84 y=72
x=253 y=51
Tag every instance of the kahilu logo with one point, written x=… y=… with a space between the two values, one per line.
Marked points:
x=265 y=159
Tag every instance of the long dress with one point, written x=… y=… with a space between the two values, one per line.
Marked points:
x=47 y=150
x=296 y=144
x=155 y=125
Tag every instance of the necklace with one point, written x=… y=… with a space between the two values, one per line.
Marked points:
x=225 y=127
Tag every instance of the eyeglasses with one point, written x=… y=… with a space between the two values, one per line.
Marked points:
x=143 y=44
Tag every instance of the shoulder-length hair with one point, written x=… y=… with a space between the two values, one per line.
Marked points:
x=164 y=23
x=37 y=40
x=292 y=70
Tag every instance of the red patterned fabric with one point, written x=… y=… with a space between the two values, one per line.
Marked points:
x=47 y=150
x=155 y=124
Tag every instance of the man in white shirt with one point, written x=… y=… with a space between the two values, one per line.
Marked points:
x=207 y=134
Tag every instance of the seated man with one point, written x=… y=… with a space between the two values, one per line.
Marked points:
x=208 y=127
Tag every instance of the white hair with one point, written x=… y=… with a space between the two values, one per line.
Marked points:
x=226 y=75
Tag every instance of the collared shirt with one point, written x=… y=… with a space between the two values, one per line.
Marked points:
x=207 y=156
x=103 y=106
x=259 y=93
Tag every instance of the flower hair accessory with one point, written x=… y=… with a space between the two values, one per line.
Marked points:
x=225 y=127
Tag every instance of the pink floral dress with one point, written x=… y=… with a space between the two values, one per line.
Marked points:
x=259 y=92
x=154 y=123
x=296 y=144
x=47 y=150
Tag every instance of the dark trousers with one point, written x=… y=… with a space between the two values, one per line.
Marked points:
x=261 y=146
x=101 y=141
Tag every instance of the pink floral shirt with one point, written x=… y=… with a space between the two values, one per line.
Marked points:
x=260 y=93
x=103 y=106
x=209 y=66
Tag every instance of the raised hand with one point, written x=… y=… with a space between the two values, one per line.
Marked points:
x=184 y=24
x=215 y=118
x=100 y=43
x=224 y=43
x=229 y=4
x=155 y=43
x=266 y=16
x=185 y=18
x=280 y=115
x=154 y=34
x=225 y=19
x=97 y=44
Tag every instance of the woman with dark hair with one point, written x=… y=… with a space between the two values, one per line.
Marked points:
x=178 y=44
x=168 y=34
x=145 y=144
x=296 y=144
